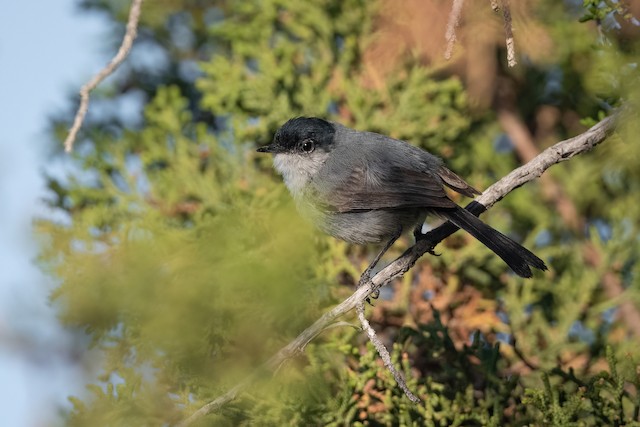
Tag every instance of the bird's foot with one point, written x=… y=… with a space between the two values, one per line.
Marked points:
x=364 y=279
x=374 y=295
x=417 y=233
x=433 y=252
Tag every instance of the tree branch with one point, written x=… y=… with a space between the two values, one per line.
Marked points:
x=593 y=256
x=508 y=30
x=384 y=354
x=560 y=152
x=526 y=148
x=129 y=35
x=454 y=21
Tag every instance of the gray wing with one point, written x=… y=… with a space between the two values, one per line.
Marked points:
x=390 y=174
x=398 y=188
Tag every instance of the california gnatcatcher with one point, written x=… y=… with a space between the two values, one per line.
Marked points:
x=363 y=187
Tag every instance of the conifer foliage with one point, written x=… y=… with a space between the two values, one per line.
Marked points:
x=185 y=264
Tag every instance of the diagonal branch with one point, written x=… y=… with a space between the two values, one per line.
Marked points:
x=593 y=256
x=127 y=41
x=560 y=152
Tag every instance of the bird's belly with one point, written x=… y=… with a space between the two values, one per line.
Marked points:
x=368 y=226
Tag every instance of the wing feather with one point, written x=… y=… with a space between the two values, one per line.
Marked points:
x=456 y=183
x=404 y=188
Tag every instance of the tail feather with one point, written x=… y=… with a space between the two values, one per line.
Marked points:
x=516 y=256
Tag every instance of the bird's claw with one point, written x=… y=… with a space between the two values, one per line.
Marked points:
x=364 y=279
x=433 y=252
x=374 y=295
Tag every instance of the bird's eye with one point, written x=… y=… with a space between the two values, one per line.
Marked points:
x=308 y=145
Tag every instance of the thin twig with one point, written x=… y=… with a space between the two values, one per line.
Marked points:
x=520 y=354
x=384 y=354
x=562 y=151
x=130 y=34
x=454 y=21
x=508 y=29
x=340 y=324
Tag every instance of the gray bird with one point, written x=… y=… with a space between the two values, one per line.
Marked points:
x=363 y=187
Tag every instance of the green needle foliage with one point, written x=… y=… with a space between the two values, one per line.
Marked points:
x=184 y=263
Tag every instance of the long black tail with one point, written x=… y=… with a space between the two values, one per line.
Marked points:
x=516 y=256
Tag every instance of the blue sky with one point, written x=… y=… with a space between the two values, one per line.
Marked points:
x=47 y=50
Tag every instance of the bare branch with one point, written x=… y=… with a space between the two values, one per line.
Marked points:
x=454 y=21
x=508 y=29
x=527 y=149
x=562 y=151
x=130 y=34
x=384 y=354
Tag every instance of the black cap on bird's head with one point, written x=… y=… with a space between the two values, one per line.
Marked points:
x=303 y=135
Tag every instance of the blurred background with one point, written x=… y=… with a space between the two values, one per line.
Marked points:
x=46 y=50
x=162 y=261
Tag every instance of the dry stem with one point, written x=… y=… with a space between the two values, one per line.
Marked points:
x=123 y=52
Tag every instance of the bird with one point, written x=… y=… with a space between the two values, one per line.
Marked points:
x=364 y=187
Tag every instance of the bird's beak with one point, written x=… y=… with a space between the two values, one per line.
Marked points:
x=271 y=148
x=265 y=149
